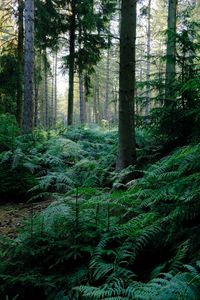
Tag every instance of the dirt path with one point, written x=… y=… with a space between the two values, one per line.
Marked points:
x=12 y=214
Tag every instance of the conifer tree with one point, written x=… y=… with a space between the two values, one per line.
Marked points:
x=72 y=29
x=126 y=147
x=92 y=21
x=28 y=66
x=20 y=53
x=171 y=52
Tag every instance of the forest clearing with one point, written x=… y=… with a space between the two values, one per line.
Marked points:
x=99 y=150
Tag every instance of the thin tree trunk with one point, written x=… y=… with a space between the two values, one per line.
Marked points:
x=46 y=96
x=148 y=94
x=139 y=106
x=55 y=89
x=52 y=92
x=71 y=65
x=99 y=111
x=20 y=52
x=115 y=98
x=95 y=104
x=126 y=146
x=106 y=110
x=171 y=53
x=96 y=100
x=89 y=110
x=28 y=66
x=86 y=113
x=82 y=99
x=36 y=84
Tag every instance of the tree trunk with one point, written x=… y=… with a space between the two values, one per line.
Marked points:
x=95 y=105
x=28 y=66
x=106 y=109
x=171 y=53
x=82 y=99
x=36 y=85
x=46 y=96
x=126 y=146
x=37 y=80
x=52 y=92
x=71 y=65
x=20 y=52
x=148 y=94
x=55 y=90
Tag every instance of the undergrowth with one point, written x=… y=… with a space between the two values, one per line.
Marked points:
x=96 y=241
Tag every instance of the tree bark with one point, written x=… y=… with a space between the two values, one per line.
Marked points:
x=171 y=53
x=126 y=146
x=55 y=90
x=71 y=65
x=36 y=85
x=106 y=109
x=148 y=94
x=82 y=99
x=20 y=53
x=46 y=93
x=52 y=92
x=28 y=67
x=95 y=105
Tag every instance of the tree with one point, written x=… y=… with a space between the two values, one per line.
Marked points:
x=148 y=94
x=55 y=90
x=107 y=91
x=20 y=54
x=82 y=98
x=28 y=66
x=72 y=29
x=126 y=146
x=91 y=19
x=171 y=53
x=48 y=38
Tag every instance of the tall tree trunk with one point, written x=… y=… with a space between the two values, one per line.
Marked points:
x=55 y=89
x=115 y=99
x=89 y=113
x=37 y=79
x=95 y=104
x=148 y=94
x=52 y=92
x=82 y=99
x=28 y=66
x=36 y=85
x=71 y=65
x=20 y=53
x=46 y=96
x=106 y=109
x=126 y=147
x=171 y=53
x=96 y=101
x=86 y=112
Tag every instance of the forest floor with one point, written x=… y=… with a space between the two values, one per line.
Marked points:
x=12 y=215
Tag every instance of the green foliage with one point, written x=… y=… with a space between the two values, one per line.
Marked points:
x=162 y=210
x=184 y=285
x=48 y=12
x=179 y=121
x=52 y=251
x=172 y=183
x=8 y=132
x=91 y=243
x=8 y=83
x=51 y=162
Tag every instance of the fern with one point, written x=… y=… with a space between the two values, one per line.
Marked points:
x=183 y=285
